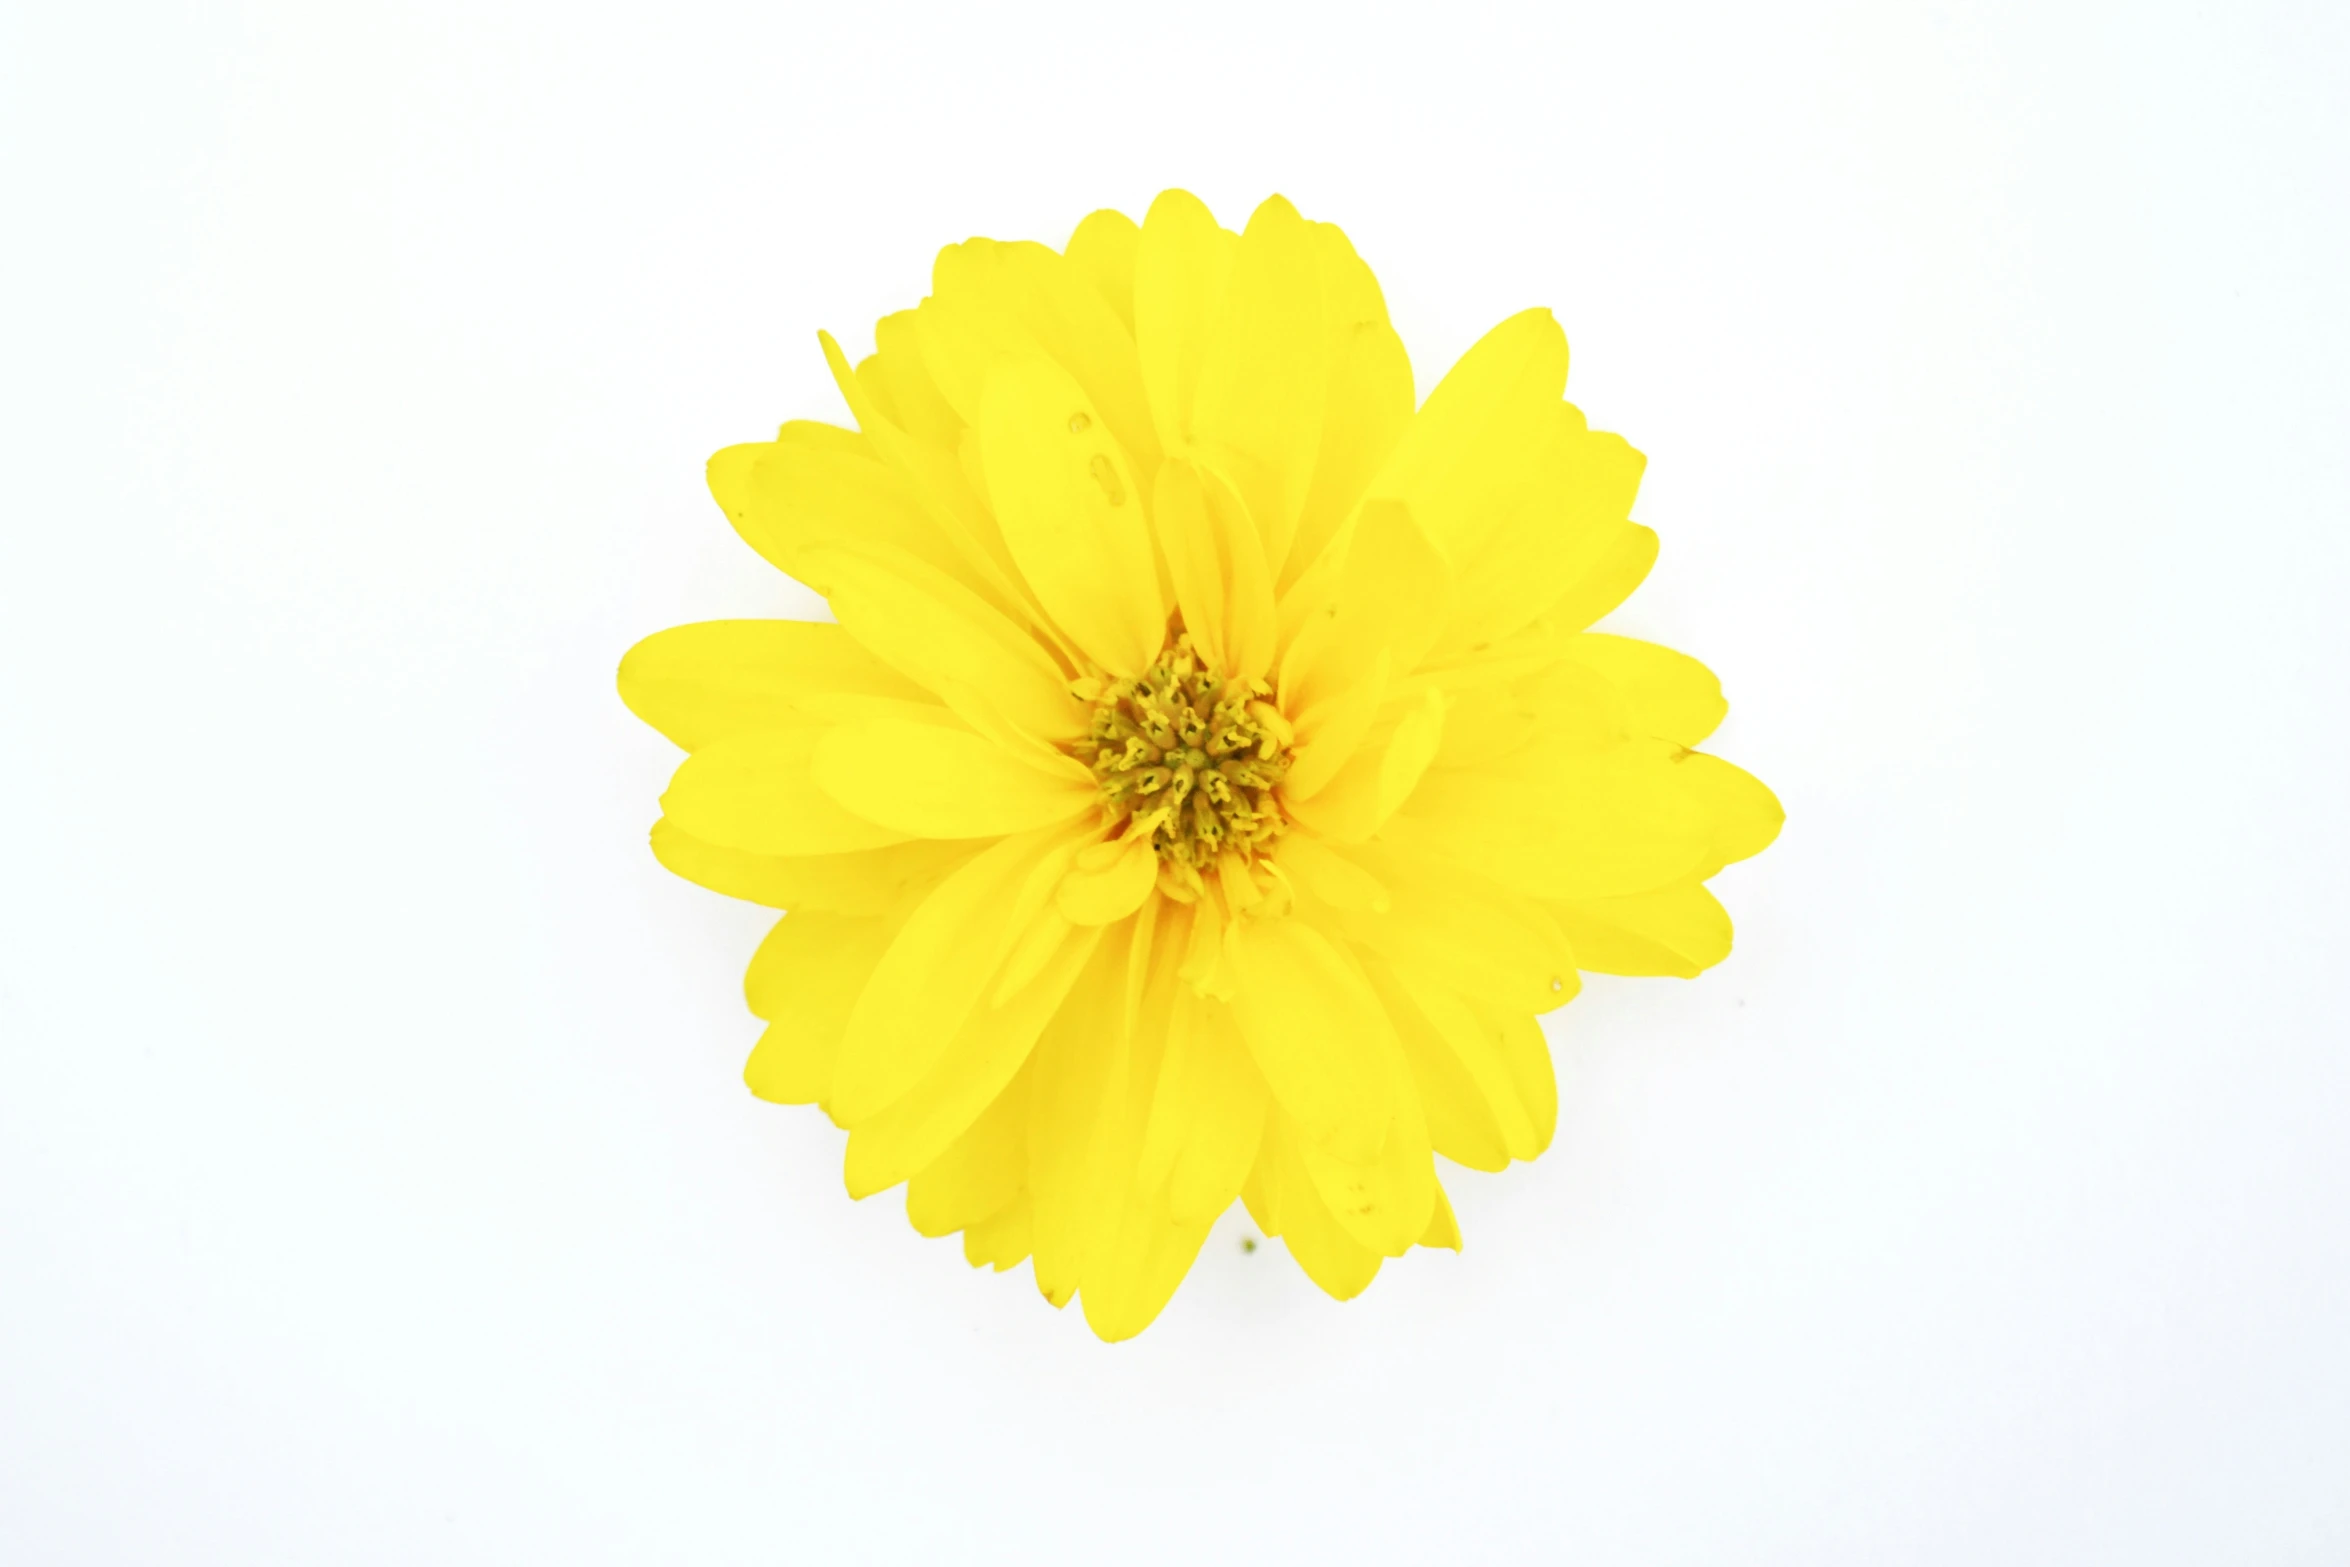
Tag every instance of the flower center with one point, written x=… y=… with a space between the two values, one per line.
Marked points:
x=1193 y=754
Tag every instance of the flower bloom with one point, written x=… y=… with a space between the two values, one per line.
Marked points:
x=1209 y=777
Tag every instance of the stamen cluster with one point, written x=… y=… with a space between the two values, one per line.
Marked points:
x=1193 y=754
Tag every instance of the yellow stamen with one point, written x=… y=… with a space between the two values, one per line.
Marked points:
x=1199 y=753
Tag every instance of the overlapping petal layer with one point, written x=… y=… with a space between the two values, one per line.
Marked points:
x=1068 y=468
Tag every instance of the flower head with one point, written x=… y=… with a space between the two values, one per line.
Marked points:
x=1210 y=776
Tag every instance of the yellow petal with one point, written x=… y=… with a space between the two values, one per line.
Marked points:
x=1330 y=733
x=1108 y=881
x=1367 y=405
x=945 y=639
x=695 y=683
x=1670 y=695
x=1487 y=1046
x=1261 y=1192
x=804 y=979
x=1389 y=596
x=757 y=792
x=1072 y=513
x=870 y=881
x=933 y=977
x=929 y=782
x=1476 y=446
x=1384 y=1203
x=1677 y=930
x=1564 y=824
x=1135 y=1273
x=1207 y=1112
x=1454 y=928
x=1310 y=1023
x=1463 y=1122
x=974 y=1068
x=1528 y=1054
x=1218 y=565
x=1329 y=874
x=990 y=301
x=1180 y=268
x=1102 y=250
x=1559 y=706
x=1418 y=736
x=1081 y=1144
x=1443 y=1229
x=915 y=403
x=1610 y=581
x=1541 y=536
x=808 y=489
x=728 y=472
x=1379 y=776
x=1257 y=410
x=1745 y=815
x=947 y=494
x=981 y=1172
x=1001 y=1240
x=1333 y=1259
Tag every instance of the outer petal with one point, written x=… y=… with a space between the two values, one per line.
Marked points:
x=804 y=979
x=1670 y=695
x=1102 y=251
x=1082 y=1141
x=870 y=881
x=1609 y=582
x=935 y=973
x=1451 y=928
x=815 y=486
x=939 y=477
x=757 y=792
x=990 y=301
x=1257 y=411
x=981 y=1173
x=930 y=782
x=1146 y=1257
x=946 y=639
x=1389 y=597
x=1367 y=406
x=1557 y=526
x=1443 y=1229
x=1678 y=930
x=1003 y=1239
x=1489 y=1040
x=1316 y=1032
x=1557 y=706
x=1746 y=816
x=1207 y=1112
x=695 y=683
x=1385 y=1203
x=1475 y=447
x=1463 y=1121
x=1565 y=824
x=978 y=1062
x=1333 y=1259
x=906 y=389
x=1180 y=270
x=1072 y=513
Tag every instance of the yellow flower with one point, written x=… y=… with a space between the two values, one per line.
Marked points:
x=1209 y=778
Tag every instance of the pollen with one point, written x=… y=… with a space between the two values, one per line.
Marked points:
x=1191 y=757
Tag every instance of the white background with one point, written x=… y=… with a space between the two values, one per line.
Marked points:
x=376 y=1181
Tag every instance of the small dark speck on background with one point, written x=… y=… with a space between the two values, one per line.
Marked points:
x=1248 y=1243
